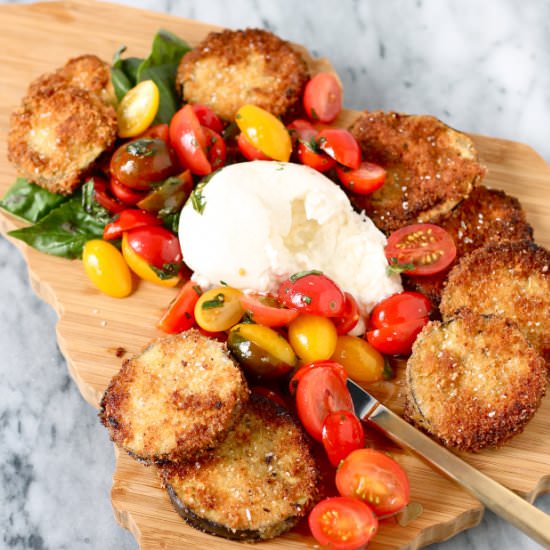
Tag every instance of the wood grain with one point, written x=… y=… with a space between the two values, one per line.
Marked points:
x=37 y=38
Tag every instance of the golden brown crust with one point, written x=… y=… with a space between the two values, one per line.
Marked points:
x=175 y=400
x=511 y=279
x=487 y=215
x=233 y=68
x=256 y=485
x=473 y=381
x=430 y=167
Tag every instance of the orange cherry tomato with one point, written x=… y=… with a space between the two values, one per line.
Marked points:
x=248 y=150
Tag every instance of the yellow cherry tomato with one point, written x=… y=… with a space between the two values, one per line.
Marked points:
x=219 y=309
x=312 y=337
x=141 y=268
x=106 y=268
x=265 y=131
x=361 y=361
x=137 y=109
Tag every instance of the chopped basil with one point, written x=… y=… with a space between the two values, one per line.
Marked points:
x=223 y=283
x=168 y=270
x=141 y=148
x=293 y=278
x=217 y=301
x=395 y=268
x=314 y=115
x=198 y=290
x=197 y=199
x=248 y=318
x=306 y=299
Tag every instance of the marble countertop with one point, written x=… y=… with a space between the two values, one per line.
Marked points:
x=482 y=67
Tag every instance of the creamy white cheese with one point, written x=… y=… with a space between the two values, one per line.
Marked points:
x=262 y=221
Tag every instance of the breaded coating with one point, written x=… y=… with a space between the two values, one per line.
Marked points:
x=473 y=381
x=229 y=69
x=430 y=168
x=510 y=279
x=256 y=485
x=487 y=215
x=175 y=400
x=57 y=134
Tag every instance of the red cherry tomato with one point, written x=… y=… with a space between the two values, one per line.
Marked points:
x=309 y=155
x=125 y=194
x=160 y=131
x=215 y=148
x=180 y=314
x=340 y=144
x=396 y=339
x=400 y=308
x=207 y=117
x=301 y=129
x=266 y=310
x=248 y=151
x=159 y=247
x=188 y=138
x=312 y=292
x=342 y=434
x=375 y=478
x=342 y=523
x=127 y=220
x=420 y=249
x=323 y=97
x=320 y=392
x=367 y=178
x=219 y=336
x=350 y=315
x=338 y=369
x=102 y=196
x=270 y=394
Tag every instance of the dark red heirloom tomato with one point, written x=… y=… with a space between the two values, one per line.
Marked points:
x=367 y=178
x=266 y=310
x=340 y=144
x=127 y=220
x=207 y=117
x=342 y=433
x=323 y=97
x=312 y=292
x=248 y=151
x=180 y=314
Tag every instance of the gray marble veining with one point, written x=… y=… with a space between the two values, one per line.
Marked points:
x=481 y=66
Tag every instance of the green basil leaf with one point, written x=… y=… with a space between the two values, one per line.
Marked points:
x=28 y=201
x=91 y=206
x=124 y=72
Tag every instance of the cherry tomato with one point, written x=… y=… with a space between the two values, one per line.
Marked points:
x=400 y=308
x=367 y=178
x=137 y=109
x=340 y=144
x=301 y=129
x=220 y=336
x=141 y=162
x=320 y=392
x=215 y=148
x=323 y=97
x=342 y=523
x=129 y=219
x=188 y=138
x=207 y=117
x=180 y=314
x=125 y=194
x=361 y=360
x=265 y=310
x=298 y=375
x=102 y=196
x=396 y=339
x=309 y=154
x=312 y=337
x=350 y=316
x=375 y=478
x=265 y=131
x=142 y=269
x=248 y=151
x=159 y=131
x=219 y=309
x=169 y=196
x=342 y=433
x=106 y=268
x=270 y=394
x=420 y=249
x=312 y=292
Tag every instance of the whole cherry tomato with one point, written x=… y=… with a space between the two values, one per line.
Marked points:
x=323 y=98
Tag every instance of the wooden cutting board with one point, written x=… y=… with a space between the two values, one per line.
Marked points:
x=94 y=329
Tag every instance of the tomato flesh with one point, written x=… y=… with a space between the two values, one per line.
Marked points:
x=301 y=129
x=298 y=375
x=308 y=155
x=138 y=109
x=129 y=219
x=323 y=98
x=420 y=249
x=219 y=309
x=207 y=117
x=340 y=144
x=215 y=148
x=367 y=178
x=342 y=433
x=125 y=194
x=102 y=196
x=265 y=310
x=349 y=317
x=248 y=150
x=180 y=314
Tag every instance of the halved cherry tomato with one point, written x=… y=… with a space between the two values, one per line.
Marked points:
x=396 y=339
x=350 y=316
x=180 y=314
x=301 y=129
x=342 y=433
x=137 y=109
x=141 y=162
x=170 y=196
x=361 y=360
x=208 y=118
x=298 y=375
x=342 y=523
x=125 y=194
x=420 y=249
x=309 y=154
x=248 y=150
x=400 y=308
x=159 y=131
x=340 y=144
x=215 y=148
x=129 y=219
x=265 y=131
x=265 y=310
x=219 y=309
x=375 y=478
x=102 y=196
x=320 y=392
x=312 y=337
x=270 y=394
x=312 y=292
x=323 y=97
x=367 y=178
x=188 y=138
x=159 y=247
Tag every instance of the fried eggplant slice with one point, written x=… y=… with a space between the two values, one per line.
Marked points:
x=430 y=168
x=256 y=485
x=176 y=400
x=232 y=68
x=473 y=381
